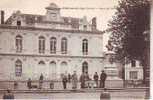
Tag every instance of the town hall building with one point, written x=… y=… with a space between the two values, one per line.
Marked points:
x=51 y=44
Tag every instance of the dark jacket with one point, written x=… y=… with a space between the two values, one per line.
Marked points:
x=96 y=77
x=64 y=78
x=41 y=77
x=103 y=76
x=29 y=83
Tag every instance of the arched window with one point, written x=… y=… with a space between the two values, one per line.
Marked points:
x=64 y=67
x=18 y=68
x=64 y=63
x=64 y=45
x=85 y=46
x=53 y=63
x=41 y=44
x=52 y=70
x=41 y=68
x=53 y=45
x=85 y=67
x=18 y=43
x=41 y=63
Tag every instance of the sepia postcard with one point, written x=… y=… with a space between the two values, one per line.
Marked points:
x=75 y=49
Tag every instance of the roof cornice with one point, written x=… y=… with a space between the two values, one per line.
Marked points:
x=48 y=29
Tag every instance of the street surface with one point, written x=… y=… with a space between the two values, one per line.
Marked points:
x=88 y=95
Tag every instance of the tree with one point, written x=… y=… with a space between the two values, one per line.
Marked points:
x=130 y=21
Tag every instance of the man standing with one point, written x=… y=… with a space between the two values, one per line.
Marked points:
x=64 y=80
x=74 y=80
x=41 y=81
x=103 y=77
x=29 y=83
x=96 y=77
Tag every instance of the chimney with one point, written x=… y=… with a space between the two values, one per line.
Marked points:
x=2 y=17
x=94 y=24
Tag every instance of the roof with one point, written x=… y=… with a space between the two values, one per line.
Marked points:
x=33 y=18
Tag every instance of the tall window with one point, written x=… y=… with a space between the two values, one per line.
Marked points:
x=64 y=45
x=18 y=23
x=85 y=47
x=52 y=70
x=85 y=67
x=133 y=63
x=18 y=43
x=52 y=45
x=133 y=74
x=18 y=68
x=64 y=67
x=41 y=44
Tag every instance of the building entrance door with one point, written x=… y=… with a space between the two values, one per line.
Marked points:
x=52 y=70
x=63 y=67
x=41 y=69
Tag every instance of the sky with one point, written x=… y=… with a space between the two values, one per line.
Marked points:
x=38 y=7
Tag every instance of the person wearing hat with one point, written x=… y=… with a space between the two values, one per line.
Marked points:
x=96 y=77
x=103 y=77
x=64 y=80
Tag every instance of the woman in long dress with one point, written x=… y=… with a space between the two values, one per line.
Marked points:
x=74 y=80
x=82 y=80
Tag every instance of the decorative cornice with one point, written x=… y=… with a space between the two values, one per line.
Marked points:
x=48 y=29
x=58 y=56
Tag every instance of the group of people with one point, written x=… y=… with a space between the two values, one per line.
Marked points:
x=70 y=78
x=103 y=77
x=29 y=83
x=84 y=80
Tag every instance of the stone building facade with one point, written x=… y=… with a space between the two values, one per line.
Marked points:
x=133 y=70
x=49 y=44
